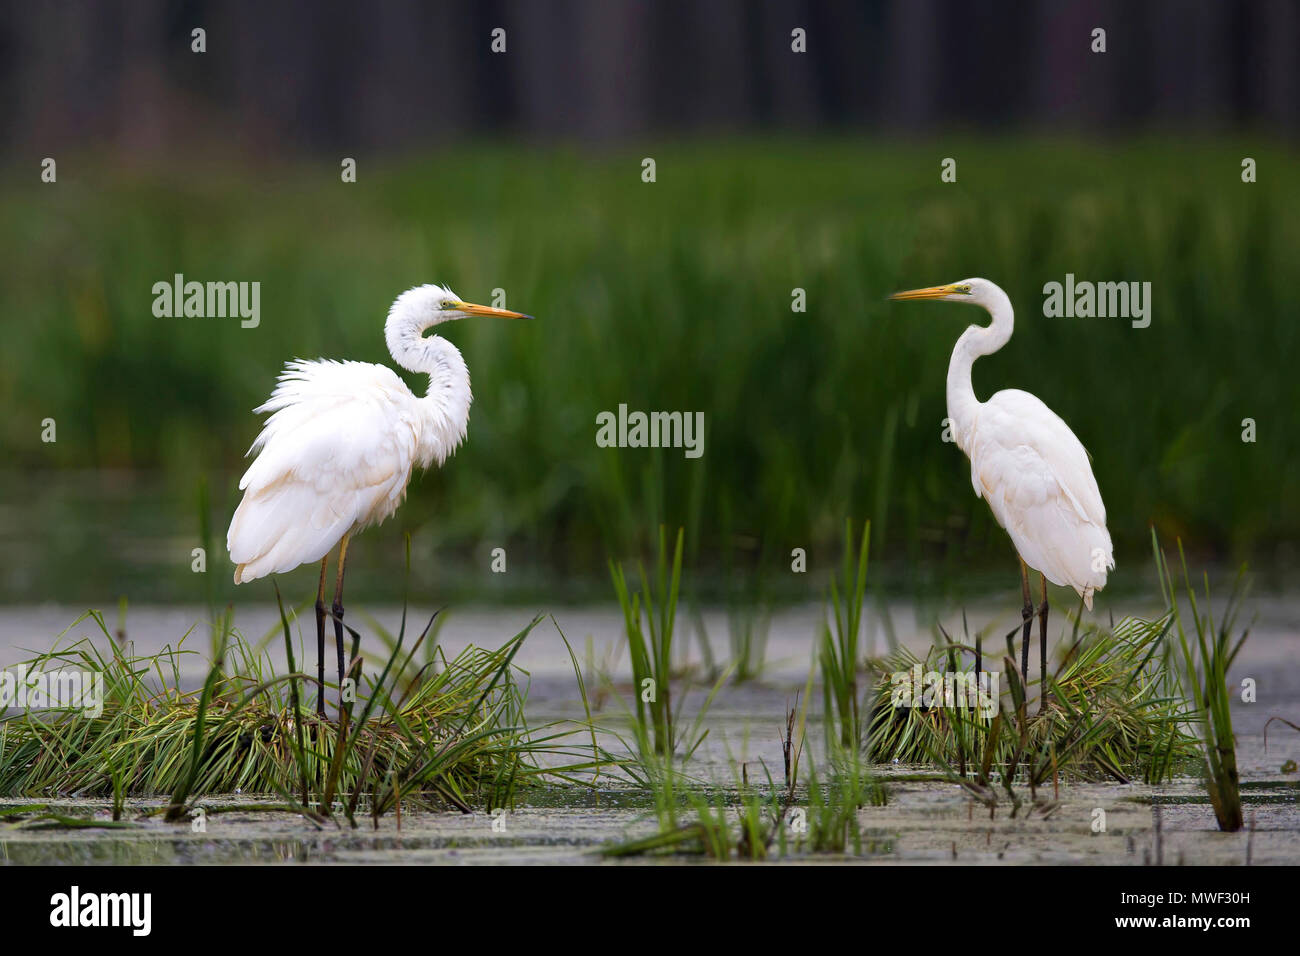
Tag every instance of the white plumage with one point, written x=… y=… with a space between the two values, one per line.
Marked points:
x=1025 y=462
x=335 y=457
x=1035 y=476
x=338 y=450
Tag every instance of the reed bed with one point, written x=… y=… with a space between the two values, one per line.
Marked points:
x=447 y=732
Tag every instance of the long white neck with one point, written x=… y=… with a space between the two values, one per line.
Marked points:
x=445 y=405
x=976 y=341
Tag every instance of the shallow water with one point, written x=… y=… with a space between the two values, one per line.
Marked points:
x=922 y=823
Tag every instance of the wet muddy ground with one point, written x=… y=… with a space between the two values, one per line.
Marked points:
x=922 y=822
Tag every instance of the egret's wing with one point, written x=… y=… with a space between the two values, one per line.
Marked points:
x=1036 y=477
x=336 y=454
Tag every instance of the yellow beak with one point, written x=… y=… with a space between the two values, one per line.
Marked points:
x=469 y=308
x=932 y=292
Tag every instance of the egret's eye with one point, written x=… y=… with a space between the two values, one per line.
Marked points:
x=963 y=289
x=447 y=305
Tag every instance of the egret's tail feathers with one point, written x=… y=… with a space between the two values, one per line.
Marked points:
x=1068 y=552
x=278 y=528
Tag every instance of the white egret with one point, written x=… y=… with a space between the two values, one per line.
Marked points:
x=338 y=450
x=1027 y=464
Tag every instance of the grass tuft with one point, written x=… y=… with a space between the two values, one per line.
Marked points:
x=649 y=617
x=453 y=735
x=1203 y=654
x=1116 y=712
x=838 y=650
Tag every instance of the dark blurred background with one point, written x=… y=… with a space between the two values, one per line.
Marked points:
x=386 y=75
x=522 y=171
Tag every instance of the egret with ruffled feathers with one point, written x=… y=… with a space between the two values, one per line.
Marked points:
x=339 y=448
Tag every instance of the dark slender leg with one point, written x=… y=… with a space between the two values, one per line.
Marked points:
x=1027 y=614
x=1042 y=647
x=320 y=640
x=338 y=609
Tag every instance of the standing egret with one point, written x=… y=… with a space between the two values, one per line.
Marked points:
x=1028 y=465
x=337 y=452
